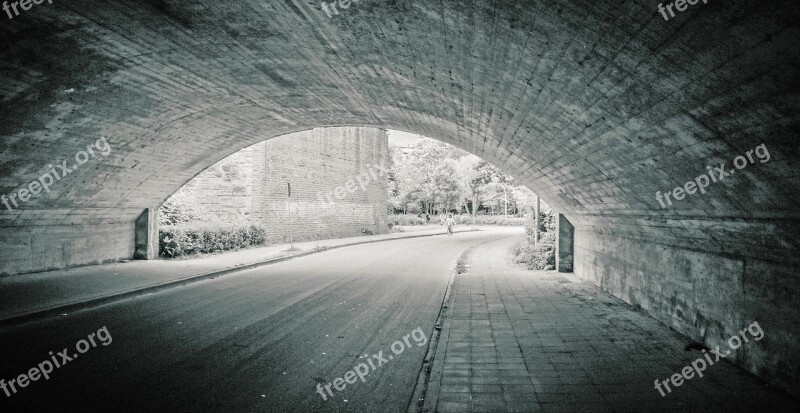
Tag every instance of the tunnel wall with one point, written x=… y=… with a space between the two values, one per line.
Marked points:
x=708 y=296
x=40 y=240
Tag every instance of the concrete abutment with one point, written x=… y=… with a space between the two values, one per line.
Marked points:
x=565 y=244
x=146 y=235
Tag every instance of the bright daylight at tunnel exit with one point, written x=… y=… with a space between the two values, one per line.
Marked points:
x=378 y=206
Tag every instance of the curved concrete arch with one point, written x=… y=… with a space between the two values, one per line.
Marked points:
x=597 y=104
x=605 y=144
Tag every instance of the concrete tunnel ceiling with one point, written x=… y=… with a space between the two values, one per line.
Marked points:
x=594 y=104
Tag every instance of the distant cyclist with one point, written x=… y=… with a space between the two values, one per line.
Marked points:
x=450 y=222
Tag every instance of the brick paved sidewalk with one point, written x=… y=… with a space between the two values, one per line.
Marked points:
x=538 y=341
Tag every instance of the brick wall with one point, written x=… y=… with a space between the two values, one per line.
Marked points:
x=250 y=186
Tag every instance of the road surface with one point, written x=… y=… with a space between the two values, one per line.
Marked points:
x=257 y=340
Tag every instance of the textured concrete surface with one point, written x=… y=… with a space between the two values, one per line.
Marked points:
x=596 y=105
x=707 y=297
x=515 y=340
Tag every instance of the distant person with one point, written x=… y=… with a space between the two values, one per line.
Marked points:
x=428 y=218
x=450 y=222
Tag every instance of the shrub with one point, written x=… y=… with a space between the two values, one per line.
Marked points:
x=405 y=220
x=547 y=223
x=413 y=208
x=178 y=210
x=495 y=220
x=541 y=256
x=177 y=240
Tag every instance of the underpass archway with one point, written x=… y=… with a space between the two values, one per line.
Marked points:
x=600 y=106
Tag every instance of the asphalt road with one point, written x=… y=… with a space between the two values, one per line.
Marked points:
x=257 y=340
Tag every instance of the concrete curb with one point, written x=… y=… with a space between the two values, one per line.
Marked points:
x=64 y=309
x=430 y=397
x=424 y=390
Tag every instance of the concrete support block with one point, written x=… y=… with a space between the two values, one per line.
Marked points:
x=565 y=245
x=146 y=235
x=34 y=240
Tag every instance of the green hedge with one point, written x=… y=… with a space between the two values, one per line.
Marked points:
x=492 y=220
x=405 y=220
x=177 y=240
x=410 y=220
x=542 y=256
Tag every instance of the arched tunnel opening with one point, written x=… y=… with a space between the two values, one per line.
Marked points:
x=339 y=182
x=664 y=135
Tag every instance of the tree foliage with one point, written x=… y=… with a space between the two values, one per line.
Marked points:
x=433 y=177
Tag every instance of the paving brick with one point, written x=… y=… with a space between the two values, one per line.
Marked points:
x=486 y=388
x=568 y=368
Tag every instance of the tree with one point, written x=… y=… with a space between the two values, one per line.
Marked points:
x=438 y=177
x=444 y=185
x=495 y=185
x=471 y=182
x=427 y=174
